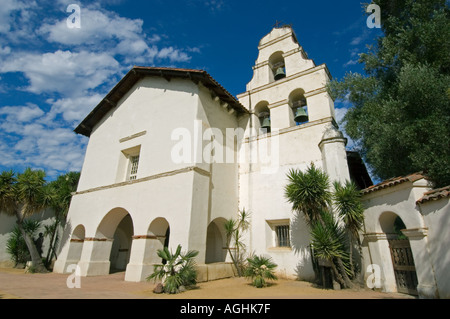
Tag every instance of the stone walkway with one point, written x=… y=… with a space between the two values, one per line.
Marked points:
x=14 y=283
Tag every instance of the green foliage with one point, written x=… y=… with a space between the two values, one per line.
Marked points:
x=179 y=270
x=234 y=229
x=401 y=107
x=308 y=192
x=259 y=269
x=16 y=246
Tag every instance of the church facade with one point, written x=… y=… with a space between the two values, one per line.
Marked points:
x=172 y=155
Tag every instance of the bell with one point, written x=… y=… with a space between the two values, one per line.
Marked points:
x=266 y=123
x=279 y=74
x=300 y=115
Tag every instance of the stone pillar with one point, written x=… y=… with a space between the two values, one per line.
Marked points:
x=143 y=257
x=418 y=241
x=378 y=253
x=95 y=256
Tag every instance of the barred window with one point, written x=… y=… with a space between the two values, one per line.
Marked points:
x=282 y=236
x=134 y=164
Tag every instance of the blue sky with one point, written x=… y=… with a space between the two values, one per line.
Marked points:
x=52 y=76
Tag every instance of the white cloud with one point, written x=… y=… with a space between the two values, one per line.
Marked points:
x=21 y=113
x=73 y=110
x=65 y=72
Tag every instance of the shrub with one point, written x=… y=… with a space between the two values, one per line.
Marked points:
x=259 y=269
x=178 y=270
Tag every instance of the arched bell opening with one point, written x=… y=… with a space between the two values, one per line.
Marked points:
x=262 y=112
x=299 y=107
x=277 y=66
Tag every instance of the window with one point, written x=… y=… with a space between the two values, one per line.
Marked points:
x=283 y=238
x=134 y=164
x=278 y=234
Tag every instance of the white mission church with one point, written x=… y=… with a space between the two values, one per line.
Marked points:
x=172 y=155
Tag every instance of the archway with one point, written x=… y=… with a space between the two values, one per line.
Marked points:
x=159 y=234
x=112 y=242
x=121 y=245
x=401 y=253
x=216 y=242
x=76 y=245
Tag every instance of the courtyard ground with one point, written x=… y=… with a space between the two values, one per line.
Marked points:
x=16 y=284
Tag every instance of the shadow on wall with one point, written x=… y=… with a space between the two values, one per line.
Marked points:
x=300 y=241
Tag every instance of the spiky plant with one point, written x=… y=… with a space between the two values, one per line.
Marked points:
x=259 y=269
x=179 y=269
x=16 y=246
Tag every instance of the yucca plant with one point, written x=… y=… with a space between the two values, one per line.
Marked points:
x=16 y=246
x=178 y=270
x=259 y=269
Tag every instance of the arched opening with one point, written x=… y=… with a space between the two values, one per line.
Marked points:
x=113 y=239
x=216 y=242
x=277 y=66
x=262 y=112
x=76 y=245
x=299 y=107
x=121 y=246
x=159 y=234
x=401 y=253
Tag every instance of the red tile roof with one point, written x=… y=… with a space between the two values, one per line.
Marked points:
x=435 y=194
x=392 y=182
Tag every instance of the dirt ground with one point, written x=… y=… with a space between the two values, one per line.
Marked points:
x=16 y=284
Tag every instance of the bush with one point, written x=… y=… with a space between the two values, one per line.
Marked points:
x=259 y=269
x=179 y=270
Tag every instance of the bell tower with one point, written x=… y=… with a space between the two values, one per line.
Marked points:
x=287 y=95
x=292 y=121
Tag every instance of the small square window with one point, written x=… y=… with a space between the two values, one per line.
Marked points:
x=283 y=238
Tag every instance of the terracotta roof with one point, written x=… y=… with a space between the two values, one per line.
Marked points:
x=392 y=182
x=435 y=194
x=137 y=73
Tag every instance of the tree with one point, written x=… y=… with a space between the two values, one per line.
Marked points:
x=63 y=187
x=347 y=200
x=16 y=246
x=23 y=195
x=234 y=229
x=309 y=194
x=401 y=106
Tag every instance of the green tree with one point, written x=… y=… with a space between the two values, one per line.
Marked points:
x=63 y=188
x=234 y=229
x=23 y=195
x=309 y=194
x=347 y=201
x=401 y=106
x=16 y=246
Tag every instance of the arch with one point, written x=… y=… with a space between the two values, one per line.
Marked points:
x=76 y=244
x=262 y=112
x=402 y=259
x=277 y=66
x=216 y=241
x=298 y=106
x=121 y=245
x=109 y=223
x=159 y=230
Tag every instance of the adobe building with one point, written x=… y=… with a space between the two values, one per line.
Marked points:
x=172 y=155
